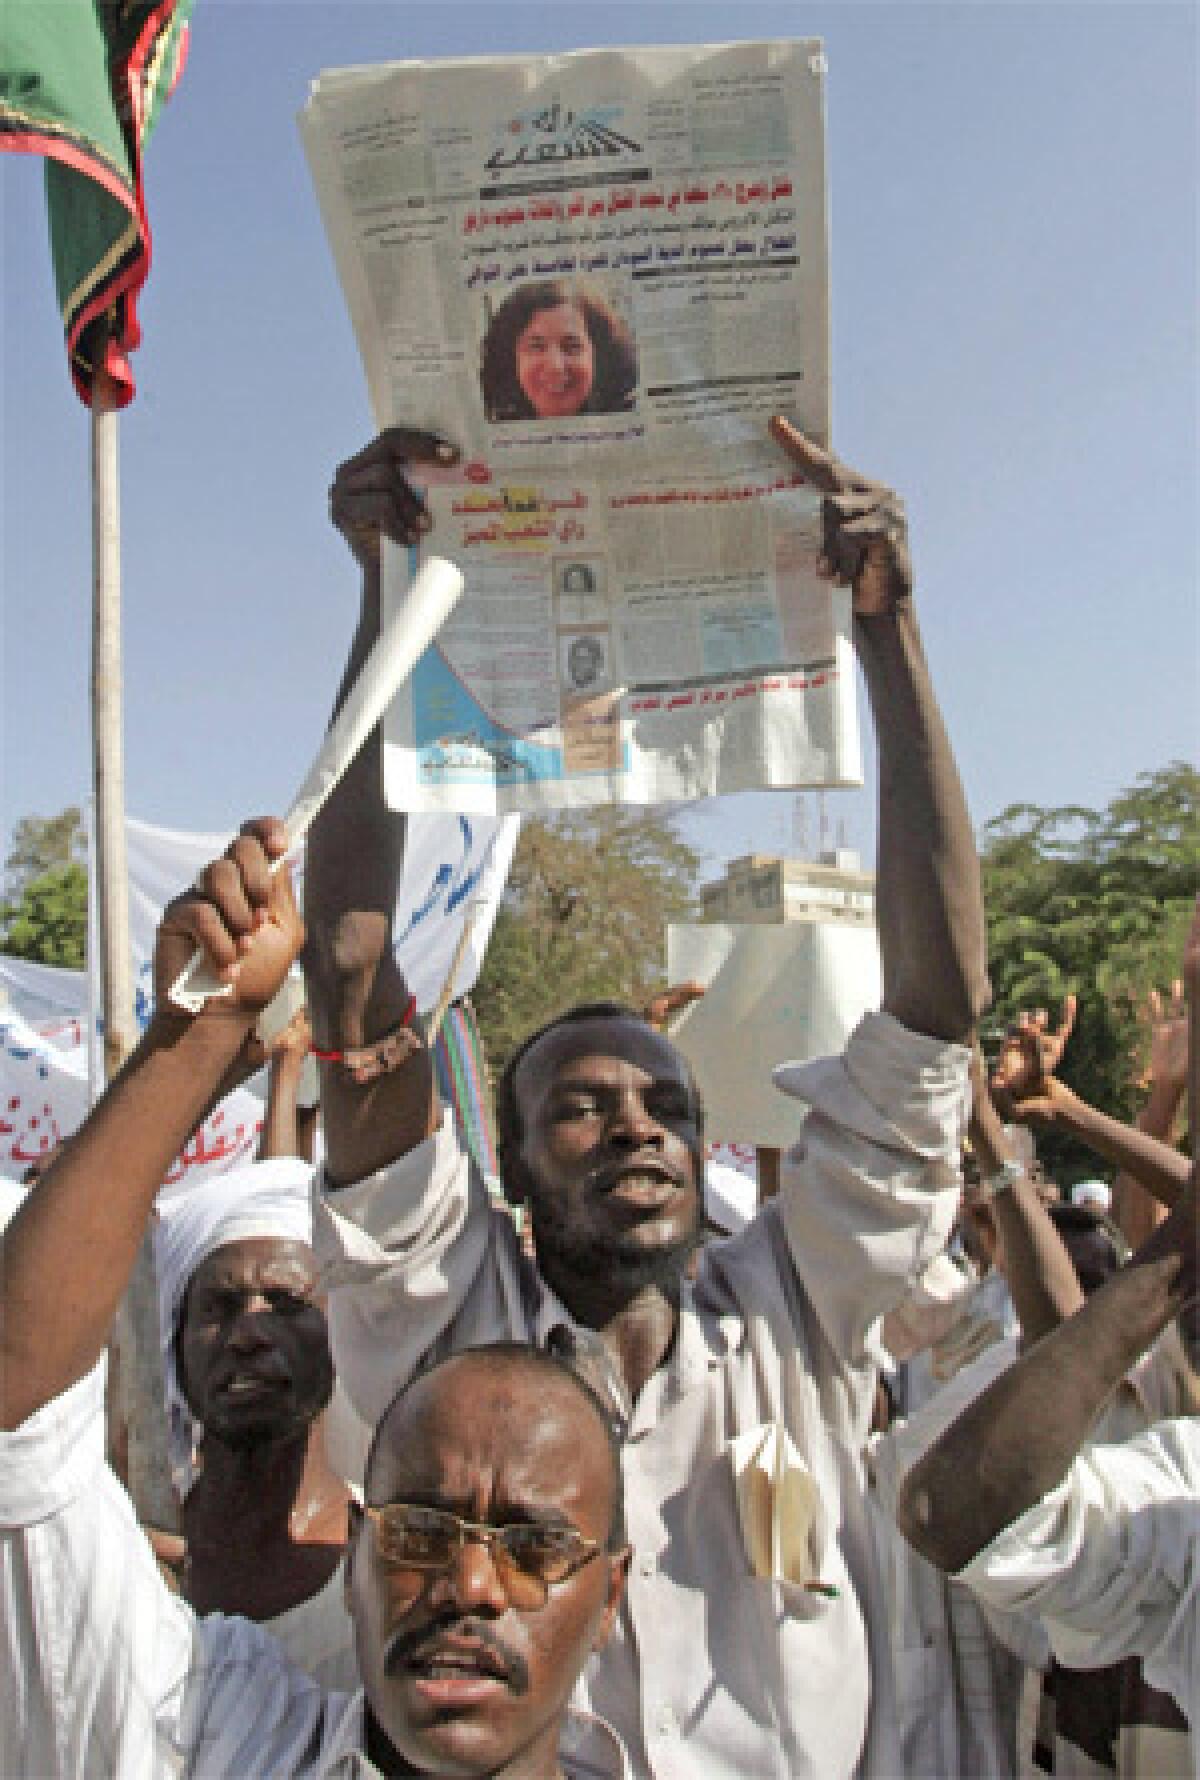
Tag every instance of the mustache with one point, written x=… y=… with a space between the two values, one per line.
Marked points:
x=422 y=1642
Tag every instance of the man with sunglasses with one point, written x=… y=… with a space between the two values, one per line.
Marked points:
x=725 y=1658
x=483 y=1568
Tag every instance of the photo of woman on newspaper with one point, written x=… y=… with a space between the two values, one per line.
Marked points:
x=556 y=348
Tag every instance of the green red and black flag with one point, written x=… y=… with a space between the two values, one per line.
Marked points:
x=82 y=82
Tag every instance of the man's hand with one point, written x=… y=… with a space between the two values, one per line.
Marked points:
x=371 y=497
x=1167 y=1019
x=865 y=529
x=669 y=1002
x=244 y=917
x=1024 y=1085
x=292 y=1045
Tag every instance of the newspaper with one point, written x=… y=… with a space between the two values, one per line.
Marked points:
x=599 y=274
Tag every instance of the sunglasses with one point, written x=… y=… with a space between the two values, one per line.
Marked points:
x=529 y=1558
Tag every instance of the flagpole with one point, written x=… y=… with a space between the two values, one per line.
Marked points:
x=136 y=1412
x=95 y=1059
x=108 y=767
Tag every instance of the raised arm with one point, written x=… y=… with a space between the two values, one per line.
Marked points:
x=66 y=1257
x=1041 y=1278
x=1027 y=1087
x=929 y=906
x=289 y=1129
x=356 y=991
x=1134 y=1210
x=1017 y=1440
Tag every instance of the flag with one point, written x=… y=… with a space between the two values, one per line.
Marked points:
x=82 y=82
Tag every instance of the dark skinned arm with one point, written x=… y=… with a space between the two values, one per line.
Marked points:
x=929 y=904
x=1017 y=1440
x=356 y=991
x=1042 y=1281
x=1134 y=1210
x=68 y=1253
x=1026 y=1087
x=288 y=1128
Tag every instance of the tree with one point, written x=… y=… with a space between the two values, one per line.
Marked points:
x=47 y=923
x=1096 y=903
x=41 y=844
x=44 y=917
x=583 y=918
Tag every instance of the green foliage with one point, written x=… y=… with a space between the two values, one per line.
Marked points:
x=40 y=844
x=1096 y=903
x=583 y=918
x=47 y=922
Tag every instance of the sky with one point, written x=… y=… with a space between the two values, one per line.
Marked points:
x=1013 y=200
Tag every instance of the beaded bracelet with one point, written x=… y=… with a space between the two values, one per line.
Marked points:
x=382 y=1055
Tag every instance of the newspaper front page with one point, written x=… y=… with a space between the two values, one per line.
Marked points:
x=599 y=274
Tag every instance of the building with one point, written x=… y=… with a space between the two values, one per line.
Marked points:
x=763 y=888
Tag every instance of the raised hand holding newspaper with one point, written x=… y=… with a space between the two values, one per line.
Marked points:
x=422 y=611
x=600 y=274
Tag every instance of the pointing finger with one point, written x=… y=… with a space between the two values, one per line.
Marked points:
x=815 y=464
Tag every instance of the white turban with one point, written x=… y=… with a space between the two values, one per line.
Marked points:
x=263 y=1199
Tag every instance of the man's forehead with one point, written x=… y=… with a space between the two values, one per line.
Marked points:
x=522 y=1435
x=603 y=1037
x=257 y=1257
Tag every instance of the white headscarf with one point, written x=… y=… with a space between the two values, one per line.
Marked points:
x=264 y=1199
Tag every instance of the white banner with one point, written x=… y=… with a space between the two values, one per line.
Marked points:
x=455 y=870
x=44 y=1098
x=600 y=274
x=454 y=865
x=774 y=994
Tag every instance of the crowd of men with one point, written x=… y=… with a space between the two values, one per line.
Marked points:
x=898 y=1480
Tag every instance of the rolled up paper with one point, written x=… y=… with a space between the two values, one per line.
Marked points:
x=429 y=601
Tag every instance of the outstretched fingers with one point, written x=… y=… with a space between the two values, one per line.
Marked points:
x=1067 y=1024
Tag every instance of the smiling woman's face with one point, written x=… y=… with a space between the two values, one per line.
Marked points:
x=555 y=361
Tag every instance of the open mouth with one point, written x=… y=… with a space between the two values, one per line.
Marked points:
x=639 y=1185
x=643 y=1192
x=449 y=1675
x=251 y=1387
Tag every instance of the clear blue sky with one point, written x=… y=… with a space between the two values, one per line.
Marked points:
x=1014 y=253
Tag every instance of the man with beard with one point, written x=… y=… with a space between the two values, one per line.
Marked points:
x=484 y=1566
x=735 y=1638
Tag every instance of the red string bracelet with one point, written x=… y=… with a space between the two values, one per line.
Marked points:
x=340 y=1056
